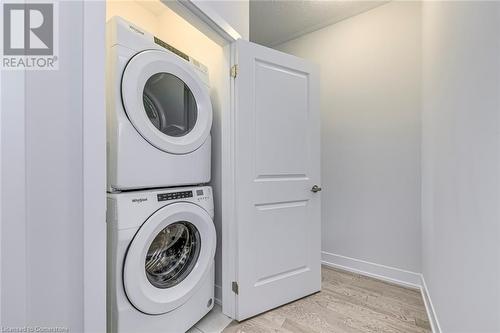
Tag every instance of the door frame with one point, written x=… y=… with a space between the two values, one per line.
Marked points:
x=94 y=167
x=94 y=140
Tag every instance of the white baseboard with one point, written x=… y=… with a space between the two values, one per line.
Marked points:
x=218 y=295
x=385 y=273
x=381 y=272
x=429 y=307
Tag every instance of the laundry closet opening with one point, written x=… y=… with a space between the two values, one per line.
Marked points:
x=172 y=30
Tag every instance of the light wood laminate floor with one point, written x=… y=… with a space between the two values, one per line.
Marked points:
x=347 y=303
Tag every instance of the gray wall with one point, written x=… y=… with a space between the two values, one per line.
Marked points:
x=45 y=268
x=391 y=77
x=370 y=113
x=54 y=161
x=461 y=163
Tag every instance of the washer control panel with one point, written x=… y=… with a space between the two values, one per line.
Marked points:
x=174 y=195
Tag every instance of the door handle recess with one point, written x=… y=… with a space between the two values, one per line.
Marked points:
x=315 y=188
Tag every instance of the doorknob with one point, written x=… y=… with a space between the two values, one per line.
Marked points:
x=315 y=188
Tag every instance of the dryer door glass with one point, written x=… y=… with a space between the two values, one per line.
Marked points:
x=169 y=104
x=172 y=254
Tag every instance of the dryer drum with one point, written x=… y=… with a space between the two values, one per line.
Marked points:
x=170 y=104
x=172 y=255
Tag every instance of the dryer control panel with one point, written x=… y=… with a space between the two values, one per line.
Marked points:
x=174 y=195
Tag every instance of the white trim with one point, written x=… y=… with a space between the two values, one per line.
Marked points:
x=218 y=295
x=205 y=19
x=390 y=274
x=228 y=194
x=1 y=323
x=94 y=167
x=386 y=273
x=429 y=307
x=213 y=19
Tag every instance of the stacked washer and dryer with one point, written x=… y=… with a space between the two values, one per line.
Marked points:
x=161 y=236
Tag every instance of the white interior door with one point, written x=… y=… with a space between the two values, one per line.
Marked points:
x=277 y=158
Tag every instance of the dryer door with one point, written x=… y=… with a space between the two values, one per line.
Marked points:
x=166 y=101
x=168 y=257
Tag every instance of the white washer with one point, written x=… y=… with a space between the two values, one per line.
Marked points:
x=159 y=112
x=161 y=248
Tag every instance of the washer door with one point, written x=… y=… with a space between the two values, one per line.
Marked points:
x=168 y=257
x=166 y=101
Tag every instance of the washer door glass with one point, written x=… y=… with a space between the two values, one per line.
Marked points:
x=169 y=257
x=170 y=104
x=172 y=254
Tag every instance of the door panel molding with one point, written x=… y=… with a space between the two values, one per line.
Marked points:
x=275 y=231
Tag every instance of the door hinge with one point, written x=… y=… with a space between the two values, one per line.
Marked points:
x=234 y=287
x=234 y=71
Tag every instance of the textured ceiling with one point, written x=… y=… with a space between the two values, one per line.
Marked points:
x=273 y=22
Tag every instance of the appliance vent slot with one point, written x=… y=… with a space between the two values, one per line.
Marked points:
x=171 y=49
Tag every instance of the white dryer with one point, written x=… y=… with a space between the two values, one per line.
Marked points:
x=161 y=248
x=159 y=112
